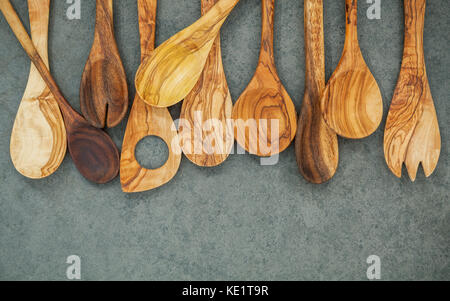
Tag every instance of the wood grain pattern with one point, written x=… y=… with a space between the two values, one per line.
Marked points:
x=146 y=121
x=265 y=100
x=412 y=131
x=316 y=145
x=92 y=150
x=352 y=104
x=38 y=140
x=171 y=71
x=104 y=89
x=206 y=133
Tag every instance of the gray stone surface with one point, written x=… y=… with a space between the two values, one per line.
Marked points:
x=239 y=221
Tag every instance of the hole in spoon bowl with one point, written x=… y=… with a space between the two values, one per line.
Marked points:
x=152 y=152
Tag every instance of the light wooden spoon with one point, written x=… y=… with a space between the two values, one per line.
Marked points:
x=412 y=131
x=264 y=115
x=206 y=133
x=316 y=145
x=352 y=104
x=92 y=150
x=104 y=89
x=38 y=139
x=145 y=121
x=171 y=71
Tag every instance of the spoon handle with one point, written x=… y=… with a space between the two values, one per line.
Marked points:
x=147 y=25
x=268 y=11
x=315 y=47
x=104 y=18
x=413 y=54
x=351 y=22
x=207 y=5
x=17 y=27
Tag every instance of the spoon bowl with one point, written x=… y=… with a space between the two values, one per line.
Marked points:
x=169 y=73
x=352 y=103
x=94 y=153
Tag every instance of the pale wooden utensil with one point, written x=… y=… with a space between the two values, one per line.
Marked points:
x=316 y=145
x=206 y=133
x=412 y=131
x=170 y=72
x=264 y=115
x=145 y=121
x=38 y=139
x=352 y=104
x=92 y=150
x=104 y=89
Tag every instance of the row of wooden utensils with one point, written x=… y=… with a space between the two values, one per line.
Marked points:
x=188 y=66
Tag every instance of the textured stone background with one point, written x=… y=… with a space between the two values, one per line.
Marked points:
x=239 y=221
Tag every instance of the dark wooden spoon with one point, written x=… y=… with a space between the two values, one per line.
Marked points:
x=92 y=150
x=104 y=89
x=316 y=145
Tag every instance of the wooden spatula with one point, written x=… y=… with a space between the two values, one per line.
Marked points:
x=316 y=145
x=206 y=135
x=145 y=121
x=352 y=104
x=170 y=72
x=38 y=139
x=264 y=116
x=104 y=89
x=412 y=131
x=92 y=150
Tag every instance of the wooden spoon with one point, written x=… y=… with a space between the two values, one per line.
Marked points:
x=38 y=139
x=92 y=150
x=412 y=131
x=265 y=105
x=352 y=104
x=171 y=71
x=145 y=121
x=206 y=133
x=316 y=145
x=104 y=89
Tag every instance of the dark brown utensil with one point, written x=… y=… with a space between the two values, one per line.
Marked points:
x=104 y=89
x=316 y=145
x=92 y=150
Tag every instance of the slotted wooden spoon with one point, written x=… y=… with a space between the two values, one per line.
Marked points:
x=352 y=104
x=92 y=150
x=264 y=115
x=412 y=131
x=206 y=133
x=104 y=89
x=170 y=72
x=38 y=139
x=316 y=145
x=145 y=121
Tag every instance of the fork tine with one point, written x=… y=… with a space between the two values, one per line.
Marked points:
x=412 y=168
